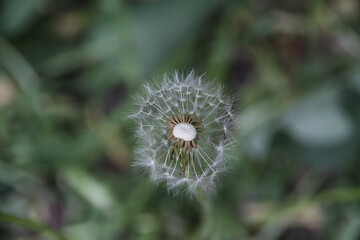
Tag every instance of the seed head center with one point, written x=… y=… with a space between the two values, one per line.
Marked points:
x=185 y=131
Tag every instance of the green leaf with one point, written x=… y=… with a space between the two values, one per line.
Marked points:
x=17 y=15
x=18 y=221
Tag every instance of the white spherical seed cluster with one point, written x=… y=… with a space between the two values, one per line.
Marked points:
x=185 y=131
x=205 y=100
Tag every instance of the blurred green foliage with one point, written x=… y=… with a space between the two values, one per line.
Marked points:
x=68 y=70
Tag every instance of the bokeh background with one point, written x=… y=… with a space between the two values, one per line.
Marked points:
x=68 y=70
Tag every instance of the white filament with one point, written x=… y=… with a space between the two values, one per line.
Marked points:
x=185 y=131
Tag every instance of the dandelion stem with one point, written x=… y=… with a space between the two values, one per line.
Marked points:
x=206 y=225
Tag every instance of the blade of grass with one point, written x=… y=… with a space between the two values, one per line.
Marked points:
x=15 y=220
x=282 y=216
x=21 y=71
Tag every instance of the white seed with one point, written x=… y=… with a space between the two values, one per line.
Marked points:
x=185 y=131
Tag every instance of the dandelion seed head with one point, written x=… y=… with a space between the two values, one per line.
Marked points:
x=184 y=133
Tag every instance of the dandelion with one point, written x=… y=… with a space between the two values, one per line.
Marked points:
x=184 y=132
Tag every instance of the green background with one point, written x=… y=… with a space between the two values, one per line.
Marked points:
x=69 y=69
